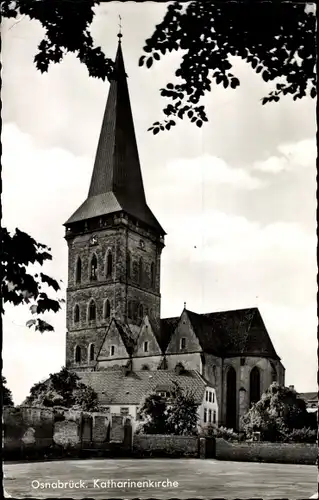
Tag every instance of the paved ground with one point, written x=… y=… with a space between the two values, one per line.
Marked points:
x=196 y=478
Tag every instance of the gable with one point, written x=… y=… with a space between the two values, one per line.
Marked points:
x=113 y=337
x=147 y=334
x=184 y=329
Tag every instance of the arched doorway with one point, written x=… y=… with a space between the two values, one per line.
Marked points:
x=231 y=402
x=254 y=385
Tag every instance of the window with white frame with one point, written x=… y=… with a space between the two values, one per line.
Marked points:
x=213 y=397
x=210 y=397
x=205 y=415
x=209 y=416
x=214 y=417
x=112 y=350
x=206 y=395
x=146 y=346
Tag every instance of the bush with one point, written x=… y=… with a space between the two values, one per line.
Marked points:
x=304 y=435
x=219 y=432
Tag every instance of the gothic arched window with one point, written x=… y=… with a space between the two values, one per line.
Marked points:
x=140 y=311
x=107 y=309
x=129 y=265
x=231 y=399
x=93 y=268
x=109 y=264
x=140 y=271
x=78 y=271
x=273 y=373
x=76 y=314
x=92 y=311
x=254 y=385
x=152 y=275
x=77 y=354
x=91 y=352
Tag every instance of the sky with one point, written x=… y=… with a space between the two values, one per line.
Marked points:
x=237 y=197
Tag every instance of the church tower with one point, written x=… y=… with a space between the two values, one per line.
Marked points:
x=114 y=240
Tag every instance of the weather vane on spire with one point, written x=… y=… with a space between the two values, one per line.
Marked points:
x=120 y=29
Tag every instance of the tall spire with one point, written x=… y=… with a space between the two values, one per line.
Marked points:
x=116 y=183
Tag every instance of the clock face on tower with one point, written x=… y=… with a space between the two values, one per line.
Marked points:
x=93 y=240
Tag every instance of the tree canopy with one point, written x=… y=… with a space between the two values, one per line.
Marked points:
x=63 y=389
x=276 y=38
x=279 y=412
x=7 y=399
x=20 y=284
x=175 y=415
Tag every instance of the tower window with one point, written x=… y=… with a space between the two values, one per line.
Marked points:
x=109 y=264
x=91 y=352
x=205 y=415
x=107 y=309
x=140 y=311
x=78 y=271
x=112 y=350
x=140 y=271
x=183 y=343
x=152 y=275
x=93 y=269
x=214 y=417
x=92 y=311
x=76 y=314
x=210 y=396
x=146 y=346
x=209 y=416
x=129 y=265
x=77 y=354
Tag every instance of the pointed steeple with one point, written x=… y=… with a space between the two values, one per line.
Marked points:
x=116 y=183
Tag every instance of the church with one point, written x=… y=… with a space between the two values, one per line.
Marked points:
x=116 y=339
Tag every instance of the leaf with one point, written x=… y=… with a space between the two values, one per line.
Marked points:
x=31 y=322
x=156 y=130
x=225 y=83
x=50 y=281
x=141 y=61
x=190 y=114
x=266 y=76
x=156 y=56
x=234 y=83
x=33 y=309
x=149 y=62
x=170 y=86
x=313 y=92
x=199 y=123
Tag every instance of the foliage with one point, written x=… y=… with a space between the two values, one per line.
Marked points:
x=153 y=411
x=7 y=399
x=19 y=284
x=212 y=430
x=177 y=416
x=304 y=435
x=276 y=38
x=182 y=416
x=63 y=389
x=277 y=414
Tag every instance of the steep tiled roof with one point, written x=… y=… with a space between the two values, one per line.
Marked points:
x=116 y=183
x=242 y=332
x=229 y=333
x=168 y=326
x=309 y=396
x=116 y=388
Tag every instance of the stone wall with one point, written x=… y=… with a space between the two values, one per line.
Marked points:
x=46 y=432
x=157 y=445
x=290 y=453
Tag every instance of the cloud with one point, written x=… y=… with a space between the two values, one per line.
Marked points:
x=293 y=157
x=208 y=169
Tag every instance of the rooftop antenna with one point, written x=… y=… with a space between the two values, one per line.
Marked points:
x=119 y=35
